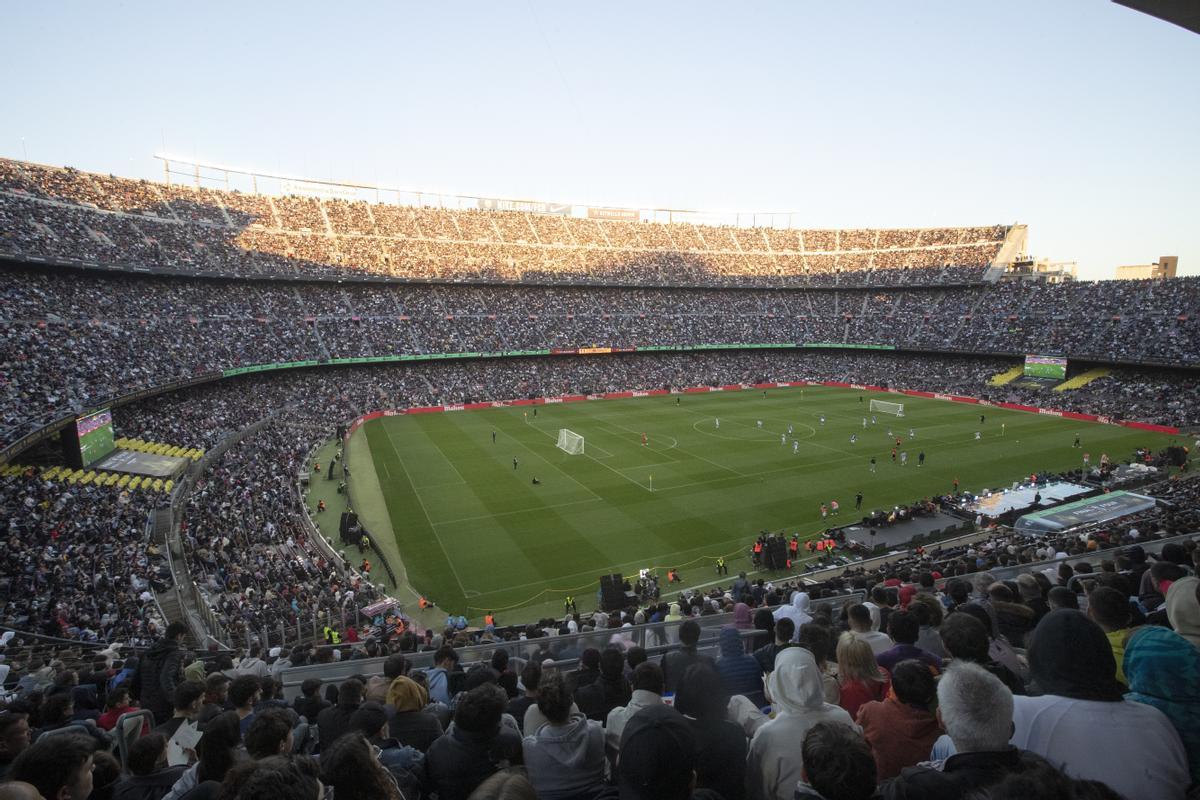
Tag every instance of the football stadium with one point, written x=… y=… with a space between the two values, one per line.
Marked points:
x=329 y=478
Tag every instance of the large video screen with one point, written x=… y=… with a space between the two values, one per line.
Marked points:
x=95 y=435
x=1046 y=367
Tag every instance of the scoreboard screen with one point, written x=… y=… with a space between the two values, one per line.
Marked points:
x=1046 y=367
x=94 y=434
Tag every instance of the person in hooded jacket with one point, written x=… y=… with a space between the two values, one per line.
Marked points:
x=474 y=747
x=797 y=612
x=720 y=743
x=159 y=672
x=797 y=695
x=1163 y=671
x=1183 y=608
x=740 y=673
x=1139 y=753
x=565 y=756
x=410 y=723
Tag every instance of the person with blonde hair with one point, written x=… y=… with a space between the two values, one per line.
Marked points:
x=860 y=678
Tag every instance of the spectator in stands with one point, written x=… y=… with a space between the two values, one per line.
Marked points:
x=902 y=728
x=676 y=662
x=1163 y=671
x=966 y=639
x=740 y=673
x=565 y=757
x=116 y=704
x=658 y=757
x=149 y=776
x=976 y=710
x=837 y=765
x=309 y=703
x=1062 y=597
x=334 y=721
x=1072 y=664
x=377 y=687
x=904 y=629
x=531 y=675
x=859 y=619
x=1183 y=608
x=720 y=744
x=796 y=611
x=505 y=786
x=1013 y=618
x=475 y=746
x=216 y=693
x=1109 y=609
x=270 y=734
x=765 y=655
x=1031 y=595
x=411 y=724
x=437 y=680
x=860 y=678
x=819 y=640
x=217 y=751
x=59 y=766
x=14 y=738
x=797 y=696
x=647 y=691
x=274 y=778
x=999 y=650
x=349 y=765
x=58 y=711
x=406 y=764
x=929 y=614
x=253 y=664
x=244 y=693
x=160 y=670
x=188 y=697
x=608 y=691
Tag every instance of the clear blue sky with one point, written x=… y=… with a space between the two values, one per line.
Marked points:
x=1080 y=118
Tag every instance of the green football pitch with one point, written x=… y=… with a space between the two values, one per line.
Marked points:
x=475 y=533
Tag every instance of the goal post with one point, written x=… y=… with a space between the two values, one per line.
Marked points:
x=884 y=407
x=570 y=442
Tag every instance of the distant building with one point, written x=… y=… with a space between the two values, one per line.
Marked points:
x=1040 y=270
x=1165 y=267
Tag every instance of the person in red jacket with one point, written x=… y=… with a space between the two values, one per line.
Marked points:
x=115 y=705
x=901 y=728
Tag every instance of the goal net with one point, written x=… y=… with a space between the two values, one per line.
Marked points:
x=884 y=407
x=570 y=441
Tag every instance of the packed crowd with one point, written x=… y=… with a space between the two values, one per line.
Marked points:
x=57 y=213
x=943 y=682
x=67 y=344
x=249 y=549
x=77 y=562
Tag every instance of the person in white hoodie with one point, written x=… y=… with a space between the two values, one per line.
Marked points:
x=797 y=612
x=565 y=756
x=797 y=695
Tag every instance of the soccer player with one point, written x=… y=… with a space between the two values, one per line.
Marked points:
x=514 y=462
x=1087 y=458
x=834 y=508
x=858 y=502
x=822 y=419
x=978 y=436
x=678 y=400
x=872 y=463
x=493 y=437
x=853 y=439
x=644 y=441
x=758 y=422
x=904 y=458
x=981 y=419
x=912 y=434
x=864 y=423
x=921 y=459
x=789 y=429
x=526 y=417
x=956 y=485
x=795 y=447
x=783 y=439
x=1002 y=428
x=824 y=511
x=718 y=421
x=890 y=434
x=873 y=420
x=893 y=455
x=1076 y=441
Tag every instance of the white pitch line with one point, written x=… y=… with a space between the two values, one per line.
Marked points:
x=517 y=511
x=425 y=511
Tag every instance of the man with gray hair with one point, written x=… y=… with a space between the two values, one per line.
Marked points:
x=976 y=711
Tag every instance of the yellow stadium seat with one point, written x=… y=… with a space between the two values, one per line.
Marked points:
x=168 y=485
x=157 y=484
x=123 y=482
